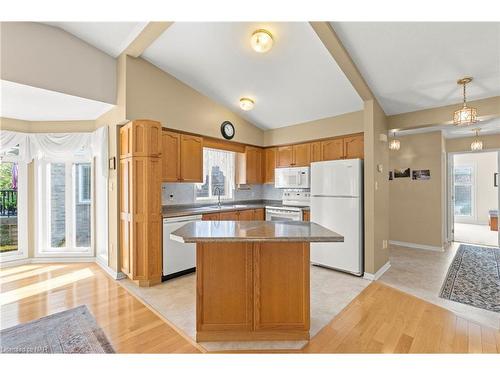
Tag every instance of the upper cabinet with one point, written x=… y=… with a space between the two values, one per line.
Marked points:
x=269 y=164
x=293 y=156
x=349 y=147
x=171 y=156
x=316 y=152
x=191 y=158
x=182 y=157
x=254 y=165
x=354 y=147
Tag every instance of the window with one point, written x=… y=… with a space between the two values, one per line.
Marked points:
x=13 y=196
x=464 y=190
x=218 y=175
x=64 y=207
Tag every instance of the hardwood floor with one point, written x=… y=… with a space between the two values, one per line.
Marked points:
x=380 y=320
x=32 y=291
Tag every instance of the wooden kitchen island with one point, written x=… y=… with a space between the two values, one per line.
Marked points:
x=252 y=278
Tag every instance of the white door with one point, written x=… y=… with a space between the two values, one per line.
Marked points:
x=336 y=178
x=342 y=215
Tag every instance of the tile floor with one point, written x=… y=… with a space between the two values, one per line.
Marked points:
x=475 y=234
x=331 y=291
x=421 y=273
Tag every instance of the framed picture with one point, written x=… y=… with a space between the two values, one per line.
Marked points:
x=390 y=176
x=402 y=173
x=421 y=174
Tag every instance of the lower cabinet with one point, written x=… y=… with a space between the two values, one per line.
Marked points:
x=242 y=215
x=306 y=215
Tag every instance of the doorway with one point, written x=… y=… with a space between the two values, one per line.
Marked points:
x=474 y=196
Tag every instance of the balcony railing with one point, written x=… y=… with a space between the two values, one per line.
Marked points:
x=8 y=202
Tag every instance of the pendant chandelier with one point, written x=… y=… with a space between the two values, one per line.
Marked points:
x=465 y=115
x=477 y=144
x=394 y=144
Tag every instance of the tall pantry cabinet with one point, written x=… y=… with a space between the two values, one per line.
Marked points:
x=140 y=201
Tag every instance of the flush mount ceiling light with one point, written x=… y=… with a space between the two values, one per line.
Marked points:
x=465 y=115
x=477 y=144
x=394 y=144
x=246 y=104
x=261 y=40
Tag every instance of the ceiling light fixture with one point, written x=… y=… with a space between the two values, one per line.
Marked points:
x=246 y=104
x=394 y=144
x=465 y=115
x=261 y=41
x=477 y=144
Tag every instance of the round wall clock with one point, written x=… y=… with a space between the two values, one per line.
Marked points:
x=227 y=129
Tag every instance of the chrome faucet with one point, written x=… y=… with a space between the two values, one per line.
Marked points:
x=218 y=191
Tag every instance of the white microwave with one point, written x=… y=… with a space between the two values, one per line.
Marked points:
x=292 y=178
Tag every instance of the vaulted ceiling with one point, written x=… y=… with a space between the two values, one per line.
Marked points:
x=415 y=65
x=296 y=81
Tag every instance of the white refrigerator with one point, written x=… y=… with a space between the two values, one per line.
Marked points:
x=337 y=204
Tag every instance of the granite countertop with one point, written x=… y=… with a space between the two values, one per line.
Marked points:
x=254 y=231
x=185 y=210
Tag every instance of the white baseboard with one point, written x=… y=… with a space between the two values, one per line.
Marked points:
x=378 y=274
x=111 y=272
x=416 y=246
x=19 y=262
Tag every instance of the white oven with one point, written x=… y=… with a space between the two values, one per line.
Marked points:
x=283 y=213
x=292 y=178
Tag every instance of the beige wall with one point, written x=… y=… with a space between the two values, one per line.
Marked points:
x=485 y=193
x=47 y=57
x=416 y=207
x=46 y=126
x=489 y=107
x=156 y=95
x=490 y=142
x=347 y=123
x=376 y=199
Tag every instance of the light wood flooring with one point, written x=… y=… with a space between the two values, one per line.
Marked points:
x=380 y=320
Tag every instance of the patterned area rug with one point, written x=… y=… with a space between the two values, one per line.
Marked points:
x=474 y=277
x=70 y=331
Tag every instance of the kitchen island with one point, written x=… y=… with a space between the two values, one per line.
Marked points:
x=252 y=278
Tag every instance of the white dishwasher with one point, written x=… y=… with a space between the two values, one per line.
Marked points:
x=178 y=258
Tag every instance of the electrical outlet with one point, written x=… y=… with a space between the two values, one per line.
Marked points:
x=171 y=197
x=384 y=244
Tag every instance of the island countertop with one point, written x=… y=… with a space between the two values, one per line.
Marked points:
x=254 y=231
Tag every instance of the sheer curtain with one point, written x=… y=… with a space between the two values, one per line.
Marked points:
x=214 y=162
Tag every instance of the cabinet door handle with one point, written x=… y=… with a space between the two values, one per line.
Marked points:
x=495 y=179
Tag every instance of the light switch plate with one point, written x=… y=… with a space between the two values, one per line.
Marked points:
x=380 y=168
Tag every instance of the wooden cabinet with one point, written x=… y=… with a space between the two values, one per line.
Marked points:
x=229 y=215
x=332 y=149
x=294 y=155
x=306 y=215
x=254 y=160
x=140 y=203
x=269 y=165
x=171 y=156
x=260 y=214
x=316 y=152
x=354 y=147
x=191 y=158
x=214 y=216
x=246 y=215
x=284 y=157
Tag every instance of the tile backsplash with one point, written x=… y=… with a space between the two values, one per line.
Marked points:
x=177 y=193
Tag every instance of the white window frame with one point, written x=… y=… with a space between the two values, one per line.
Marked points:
x=43 y=248
x=228 y=188
x=80 y=180
x=472 y=216
x=22 y=212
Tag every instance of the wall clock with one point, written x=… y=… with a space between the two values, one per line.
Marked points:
x=227 y=129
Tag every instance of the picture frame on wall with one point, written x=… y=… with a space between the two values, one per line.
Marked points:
x=402 y=173
x=421 y=174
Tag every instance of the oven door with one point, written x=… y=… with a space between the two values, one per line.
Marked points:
x=273 y=214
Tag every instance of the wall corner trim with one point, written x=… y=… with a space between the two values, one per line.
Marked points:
x=416 y=246
x=111 y=272
x=378 y=274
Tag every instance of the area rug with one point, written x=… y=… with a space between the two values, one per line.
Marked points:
x=70 y=331
x=474 y=277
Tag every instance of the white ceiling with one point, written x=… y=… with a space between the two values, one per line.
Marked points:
x=29 y=103
x=412 y=66
x=491 y=126
x=109 y=37
x=296 y=81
